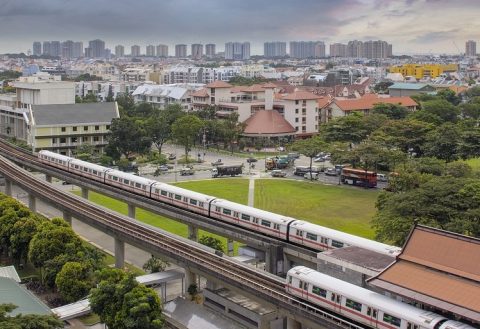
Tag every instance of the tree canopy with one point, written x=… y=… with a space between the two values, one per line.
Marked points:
x=28 y=321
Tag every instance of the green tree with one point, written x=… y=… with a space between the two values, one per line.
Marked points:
x=121 y=302
x=85 y=152
x=352 y=128
x=145 y=110
x=126 y=104
x=128 y=136
x=441 y=109
x=29 y=321
x=310 y=148
x=443 y=142
x=392 y=111
x=232 y=129
x=185 y=130
x=74 y=281
x=159 y=126
x=21 y=234
x=155 y=264
x=211 y=242
x=450 y=96
x=469 y=143
x=89 y=98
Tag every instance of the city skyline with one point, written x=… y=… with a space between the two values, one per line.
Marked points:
x=411 y=26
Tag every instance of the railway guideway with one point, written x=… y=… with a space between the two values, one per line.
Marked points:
x=258 y=285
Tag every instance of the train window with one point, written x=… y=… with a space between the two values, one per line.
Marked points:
x=392 y=319
x=178 y=197
x=85 y=169
x=332 y=297
x=164 y=193
x=300 y=284
x=369 y=310
x=235 y=214
x=200 y=204
x=138 y=185
x=337 y=244
x=319 y=291
x=255 y=220
x=194 y=202
x=227 y=211
x=265 y=223
x=218 y=209
x=311 y=236
x=305 y=286
x=170 y=195
x=126 y=181
x=289 y=279
x=76 y=166
x=353 y=304
x=276 y=226
x=325 y=240
x=115 y=178
x=185 y=199
x=94 y=172
x=245 y=217
x=299 y=233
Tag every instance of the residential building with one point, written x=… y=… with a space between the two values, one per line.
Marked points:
x=197 y=51
x=62 y=128
x=181 y=51
x=274 y=49
x=210 y=50
x=237 y=51
x=338 y=50
x=409 y=89
x=471 y=48
x=97 y=48
x=46 y=48
x=307 y=49
x=135 y=51
x=150 y=51
x=422 y=71
x=119 y=51
x=162 y=51
x=135 y=74
x=377 y=49
x=67 y=49
x=162 y=95
x=78 y=49
x=37 y=48
x=355 y=49
x=55 y=48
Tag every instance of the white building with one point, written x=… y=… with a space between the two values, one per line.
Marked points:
x=162 y=95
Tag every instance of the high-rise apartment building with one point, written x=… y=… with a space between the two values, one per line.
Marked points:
x=338 y=50
x=119 y=51
x=162 y=51
x=470 y=48
x=67 y=49
x=355 y=49
x=97 y=48
x=135 y=51
x=274 y=49
x=55 y=48
x=307 y=49
x=150 y=51
x=78 y=49
x=46 y=48
x=210 y=50
x=377 y=49
x=197 y=50
x=237 y=51
x=181 y=51
x=37 y=48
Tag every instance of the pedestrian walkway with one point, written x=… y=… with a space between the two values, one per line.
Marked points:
x=251 y=191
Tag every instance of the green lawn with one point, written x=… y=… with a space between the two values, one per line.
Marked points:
x=343 y=208
x=232 y=189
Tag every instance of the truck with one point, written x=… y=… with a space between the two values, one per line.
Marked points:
x=232 y=170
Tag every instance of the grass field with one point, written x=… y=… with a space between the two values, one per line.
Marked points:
x=343 y=208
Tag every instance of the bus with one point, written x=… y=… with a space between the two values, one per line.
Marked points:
x=358 y=177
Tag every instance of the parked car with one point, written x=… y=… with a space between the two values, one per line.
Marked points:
x=185 y=171
x=312 y=175
x=172 y=156
x=163 y=168
x=382 y=177
x=331 y=172
x=219 y=162
x=319 y=159
x=278 y=173
x=250 y=160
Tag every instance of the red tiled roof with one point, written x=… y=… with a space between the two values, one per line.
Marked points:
x=200 y=93
x=268 y=122
x=368 y=102
x=269 y=85
x=218 y=84
x=323 y=101
x=253 y=89
x=301 y=95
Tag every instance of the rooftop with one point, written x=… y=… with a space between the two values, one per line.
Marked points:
x=268 y=122
x=406 y=85
x=219 y=84
x=12 y=292
x=369 y=101
x=301 y=95
x=71 y=114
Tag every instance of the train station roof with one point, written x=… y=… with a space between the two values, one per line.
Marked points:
x=26 y=302
x=437 y=268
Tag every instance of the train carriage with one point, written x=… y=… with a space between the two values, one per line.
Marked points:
x=54 y=159
x=193 y=201
x=129 y=182
x=323 y=238
x=88 y=169
x=254 y=219
x=359 y=304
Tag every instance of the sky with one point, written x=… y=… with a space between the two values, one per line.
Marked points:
x=412 y=26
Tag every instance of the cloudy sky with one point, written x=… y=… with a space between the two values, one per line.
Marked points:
x=412 y=26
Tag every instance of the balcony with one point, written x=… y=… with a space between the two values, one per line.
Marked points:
x=243 y=100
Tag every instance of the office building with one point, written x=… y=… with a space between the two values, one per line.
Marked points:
x=55 y=48
x=135 y=51
x=210 y=50
x=78 y=49
x=274 y=49
x=119 y=51
x=197 y=51
x=46 y=48
x=67 y=49
x=237 y=51
x=181 y=51
x=338 y=50
x=37 y=48
x=162 y=51
x=150 y=51
x=97 y=48
x=470 y=48
x=307 y=49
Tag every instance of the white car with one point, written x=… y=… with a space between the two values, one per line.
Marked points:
x=312 y=175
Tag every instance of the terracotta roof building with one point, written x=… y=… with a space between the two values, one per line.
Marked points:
x=268 y=123
x=439 y=270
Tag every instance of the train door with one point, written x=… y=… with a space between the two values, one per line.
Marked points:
x=299 y=236
x=336 y=301
x=303 y=286
x=372 y=314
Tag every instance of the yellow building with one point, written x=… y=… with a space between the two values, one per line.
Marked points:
x=420 y=71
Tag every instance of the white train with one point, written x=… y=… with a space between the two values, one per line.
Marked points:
x=282 y=227
x=362 y=305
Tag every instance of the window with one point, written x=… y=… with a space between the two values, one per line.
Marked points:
x=296 y=111
x=76 y=166
x=305 y=286
x=85 y=128
x=126 y=181
x=296 y=102
x=324 y=240
x=108 y=127
x=63 y=140
x=311 y=236
x=227 y=211
x=164 y=193
x=276 y=226
x=84 y=139
x=218 y=209
x=54 y=140
x=64 y=129
x=194 y=202
x=138 y=185
x=170 y=195
x=96 y=138
x=265 y=223
x=299 y=233
x=289 y=279
x=97 y=127
x=235 y=214
x=337 y=244
x=85 y=169
x=95 y=172
x=200 y=204
x=391 y=319
x=304 y=111
x=115 y=178
x=319 y=291
x=296 y=119
x=73 y=139
x=74 y=128
x=353 y=304
x=245 y=217
x=178 y=197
